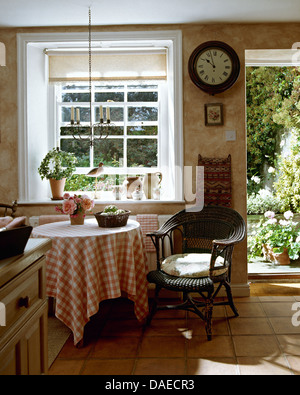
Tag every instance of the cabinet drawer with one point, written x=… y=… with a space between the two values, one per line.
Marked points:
x=23 y=295
x=26 y=352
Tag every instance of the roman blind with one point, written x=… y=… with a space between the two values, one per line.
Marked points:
x=72 y=66
x=273 y=57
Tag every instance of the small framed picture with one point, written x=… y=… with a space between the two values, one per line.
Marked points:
x=213 y=114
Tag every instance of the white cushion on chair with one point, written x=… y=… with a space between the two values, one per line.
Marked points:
x=191 y=265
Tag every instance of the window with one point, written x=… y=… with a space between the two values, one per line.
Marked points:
x=132 y=145
x=134 y=114
x=147 y=135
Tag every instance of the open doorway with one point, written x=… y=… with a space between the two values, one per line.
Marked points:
x=273 y=168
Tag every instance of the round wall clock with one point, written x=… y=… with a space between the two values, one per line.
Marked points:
x=214 y=67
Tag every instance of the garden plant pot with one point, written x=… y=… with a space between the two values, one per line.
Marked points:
x=278 y=258
x=57 y=188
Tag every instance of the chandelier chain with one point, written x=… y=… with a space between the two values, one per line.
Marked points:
x=101 y=128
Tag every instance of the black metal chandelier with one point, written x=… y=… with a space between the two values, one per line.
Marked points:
x=95 y=131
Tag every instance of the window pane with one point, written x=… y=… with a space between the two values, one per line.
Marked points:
x=75 y=87
x=80 y=182
x=109 y=87
x=80 y=148
x=142 y=96
x=142 y=113
x=142 y=130
x=116 y=114
x=108 y=182
x=104 y=96
x=141 y=152
x=84 y=114
x=74 y=130
x=75 y=97
x=142 y=86
x=108 y=151
x=66 y=114
x=109 y=131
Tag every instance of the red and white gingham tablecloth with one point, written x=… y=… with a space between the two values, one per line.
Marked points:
x=88 y=264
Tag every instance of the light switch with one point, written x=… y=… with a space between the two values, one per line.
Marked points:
x=230 y=135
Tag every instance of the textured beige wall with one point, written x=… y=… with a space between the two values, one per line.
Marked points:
x=209 y=141
x=8 y=120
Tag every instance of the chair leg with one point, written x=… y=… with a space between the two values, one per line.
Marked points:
x=230 y=299
x=208 y=317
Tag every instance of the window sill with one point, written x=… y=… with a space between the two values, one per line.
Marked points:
x=102 y=202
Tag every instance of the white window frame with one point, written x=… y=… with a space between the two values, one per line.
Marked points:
x=161 y=106
x=37 y=118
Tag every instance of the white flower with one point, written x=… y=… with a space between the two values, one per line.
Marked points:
x=298 y=239
x=271 y=170
x=264 y=193
x=270 y=221
x=283 y=222
x=255 y=179
x=269 y=214
x=288 y=215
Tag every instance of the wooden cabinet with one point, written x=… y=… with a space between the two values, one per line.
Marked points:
x=23 y=339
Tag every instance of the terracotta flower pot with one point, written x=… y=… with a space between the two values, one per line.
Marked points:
x=78 y=219
x=57 y=188
x=278 y=258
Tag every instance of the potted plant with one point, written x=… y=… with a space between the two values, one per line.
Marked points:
x=56 y=167
x=75 y=206
x=277 y=240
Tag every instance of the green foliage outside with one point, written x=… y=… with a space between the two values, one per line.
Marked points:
x=105 y=182
x=267 y=87
x=273 y=107
x=273 y=95
x=259 y=203
x=287 y=186
x=81 y=182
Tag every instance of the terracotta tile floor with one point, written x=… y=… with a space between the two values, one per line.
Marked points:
x=262 y=340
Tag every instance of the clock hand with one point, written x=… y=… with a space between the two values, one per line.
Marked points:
x=213 y=63
x=208 y=61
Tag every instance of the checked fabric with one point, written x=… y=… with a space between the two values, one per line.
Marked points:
x=88 y=264
x=149 y=223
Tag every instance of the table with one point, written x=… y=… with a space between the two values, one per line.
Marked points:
x=88 y=264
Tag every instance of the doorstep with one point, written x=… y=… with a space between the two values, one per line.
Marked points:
x=260 y=269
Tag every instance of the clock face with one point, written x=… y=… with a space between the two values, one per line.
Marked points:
x=214 y=67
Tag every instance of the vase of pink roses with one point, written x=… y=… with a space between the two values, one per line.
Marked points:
x=76 y=207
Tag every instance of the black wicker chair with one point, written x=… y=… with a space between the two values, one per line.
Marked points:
x=211 y=232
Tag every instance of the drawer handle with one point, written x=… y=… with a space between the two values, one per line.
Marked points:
x=24 y=302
